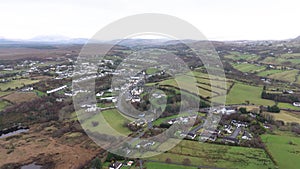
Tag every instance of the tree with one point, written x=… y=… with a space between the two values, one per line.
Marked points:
x=168 y=160
x=186 y=161
x=243 y=110
x=273 y=109
x=96 y=163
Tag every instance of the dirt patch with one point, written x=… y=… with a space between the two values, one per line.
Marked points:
x=72 y=150
x=18 y=97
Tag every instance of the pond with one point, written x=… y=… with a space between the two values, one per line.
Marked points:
x=31 y=166
x=14 y=133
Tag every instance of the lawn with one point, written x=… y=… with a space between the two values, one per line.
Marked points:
x=288 y=106
x=241 y=92
x=109 y=122
x=151 y=71
x=287 y=155
x=16 y=84
x=223 y=156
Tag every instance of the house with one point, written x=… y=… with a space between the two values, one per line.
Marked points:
x=239 y=124
x=246 y=135
x=27 y=89
x=226 y=111
x=191 y=136
x=115 y=165
x=129 y=163
x=297 y=104
x=231 y=140
x=57 y=89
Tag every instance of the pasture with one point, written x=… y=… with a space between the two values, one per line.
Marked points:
x=241 y=93
x=223 y=156
x=284 y=149
x=13 y=84
x=109 y=122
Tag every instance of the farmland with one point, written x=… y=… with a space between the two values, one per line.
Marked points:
x=18 y=97
x=246 y=67
x=285 y=116
x=240 y=93
x=13 y=84
x=111 y=117
x=284 y=149
x=204 y=154
x=200 y=84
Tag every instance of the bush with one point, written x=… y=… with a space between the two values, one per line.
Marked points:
x=186 y=161
x=273 y=109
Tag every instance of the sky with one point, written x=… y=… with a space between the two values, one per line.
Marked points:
x=216 y=19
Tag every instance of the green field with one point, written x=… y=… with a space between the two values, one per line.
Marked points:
x=150 y=71
x=289 y=76
x=287 y=155
x=269 y=72
x=285 y=116
x=240 y=93
x=205 y=154
x=200 y=84
x=239 y=56
x=161 y=165
x=3 y=104
x=16 y=84
x=288 y=106
x=110 y=122
x=250 y=68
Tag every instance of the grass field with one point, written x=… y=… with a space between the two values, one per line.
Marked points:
x=199 y=83
x=289 y=76
x=3 y=104
x=270 y=72
x=239 y=56
x=16 y=83
x=241 y=92
x=160 y=165
x=285 y=116
x=285 y=154
x=250 y=68
x=288 y=106
x=110 y=122
x=204 y=154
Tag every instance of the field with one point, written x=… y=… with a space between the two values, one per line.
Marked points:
x=200 y=84
x=289 y=76
x=288 y=106
x=18 y=97
x=285 y=116
x=238 y=56
x=160 y=165
x=284 y=149
x=240 y=93
x=204 y=154
x=110 y=122
x=3 y=104
x=269 y=72
x=16 y=84
x=250 y=68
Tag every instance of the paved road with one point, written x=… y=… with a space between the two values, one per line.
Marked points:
x=236 y=132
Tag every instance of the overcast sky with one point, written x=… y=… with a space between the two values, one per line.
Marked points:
x=216 y=19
